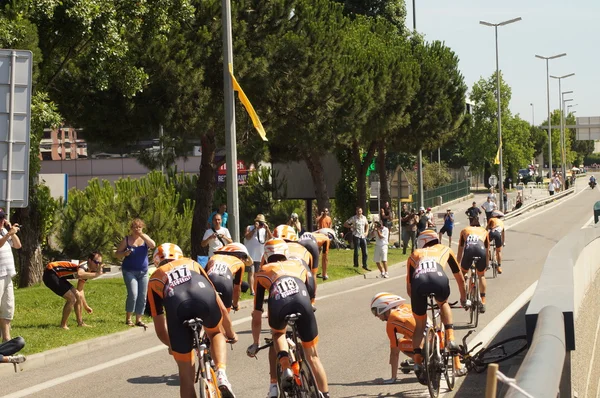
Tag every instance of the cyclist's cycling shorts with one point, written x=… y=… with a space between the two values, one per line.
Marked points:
x=313 y=249
x=434 y=282
x=496 y=236
x=289 y=295
x=474 y=250
x=58 y=285
x=197 y=299
x=224 y=286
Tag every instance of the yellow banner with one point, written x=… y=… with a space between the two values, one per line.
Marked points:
x=497 y=159
x=249 y=108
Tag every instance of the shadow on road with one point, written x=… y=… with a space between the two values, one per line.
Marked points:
x=172 y=380
x=417 y=392
x=474 y=383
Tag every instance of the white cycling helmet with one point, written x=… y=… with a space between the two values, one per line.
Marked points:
x=426 y=237
x=275 y=247
x=166 y=252
x=384 y=301
x=233 y=248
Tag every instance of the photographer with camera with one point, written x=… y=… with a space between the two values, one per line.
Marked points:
x=411 y=219
x=295 y=223
x=324 y=220
x=382 y=238
x=254 y=239
x=8 y=241
x=448 y=227
x=217 y=236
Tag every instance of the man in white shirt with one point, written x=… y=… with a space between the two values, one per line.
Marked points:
x=254 y=239
x=382 y=236
x=8 y=240
x=551 y=187
x=217 y=236
x=488 y=206
x=360 y=227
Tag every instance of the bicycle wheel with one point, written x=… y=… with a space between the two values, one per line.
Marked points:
x=499 y=352
x=495 y=269
x=309 y=387
x=290 y=393
x=474 y=298
x=449 y=370
x=431 y=363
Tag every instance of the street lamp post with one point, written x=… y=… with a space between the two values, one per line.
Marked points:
x=500 y=172
x=420 y=153
x=532 y=114
x=548 y=95
x=563 y=129
x=560 y=105
x=569 y=107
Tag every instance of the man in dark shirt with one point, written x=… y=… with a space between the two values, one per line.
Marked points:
x=473 y=213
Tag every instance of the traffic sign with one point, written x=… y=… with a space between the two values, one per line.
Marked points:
x=493 y=180
x=15 y=116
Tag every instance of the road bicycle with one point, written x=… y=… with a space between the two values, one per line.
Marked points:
x=304 y=384
x=9 y=348
x=205 y=373
x=495 y=353
x=437 y=359
x=493 y=263
x=473 y=296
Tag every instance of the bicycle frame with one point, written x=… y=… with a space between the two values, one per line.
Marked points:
x=205 y=365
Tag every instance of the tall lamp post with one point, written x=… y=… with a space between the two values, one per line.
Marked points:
x=563 y=130
x=500 y=172
x=532 y=114
x=420 y=153
x=548 y=95
x=560 y=104
x=569 y=107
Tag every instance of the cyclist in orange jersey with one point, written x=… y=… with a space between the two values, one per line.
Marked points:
x=55 y=278
x=425 y=275
x=180 y=290
x=323 y=240
x=399 y=319
x=474 y=242
x=495 y=226
x=286 y=283
x=225 y=270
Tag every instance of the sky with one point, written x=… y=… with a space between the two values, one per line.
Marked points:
x=548 y=27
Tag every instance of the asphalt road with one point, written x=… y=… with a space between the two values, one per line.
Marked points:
x=353 y=344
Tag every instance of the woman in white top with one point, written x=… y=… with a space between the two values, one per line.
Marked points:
x=382 y=236
x=254 y=239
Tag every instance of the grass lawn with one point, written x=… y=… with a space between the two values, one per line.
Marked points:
x=38 y=310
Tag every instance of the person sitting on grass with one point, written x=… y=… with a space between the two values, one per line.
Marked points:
x=55 y=278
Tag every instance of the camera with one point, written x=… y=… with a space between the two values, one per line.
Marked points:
x=261 y=224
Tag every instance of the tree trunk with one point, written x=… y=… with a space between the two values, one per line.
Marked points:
x=313 y=162
x=205 y=190
x=29 y=258
x=383 y=176
x=361 y=166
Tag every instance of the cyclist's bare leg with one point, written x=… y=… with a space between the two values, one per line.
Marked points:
x=446 y=315
x=317 y=367
x=324 y=262
x=186 y=379
x=418 y=334
x=218 y=347
x=499 y=255
x=482 y=286
x=281 y=345
x=273 y=364
x=251 y=279
x=71 y=299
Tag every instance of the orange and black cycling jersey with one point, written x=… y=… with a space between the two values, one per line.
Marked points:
x=431 y=259
x=66 y=269
x=473 y=235
x=322 y=241
x=495 y=224
x=166 y=278
x=268 y=275
x=219 y=263
x=299 y=252
x=401 y=321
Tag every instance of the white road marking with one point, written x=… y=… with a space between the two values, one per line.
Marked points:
x=587 y=383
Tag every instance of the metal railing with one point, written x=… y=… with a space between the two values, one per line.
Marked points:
x=447 y=192
x=539 y=202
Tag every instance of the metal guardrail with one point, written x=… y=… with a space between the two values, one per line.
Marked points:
x=541 y=370
x=539 y=202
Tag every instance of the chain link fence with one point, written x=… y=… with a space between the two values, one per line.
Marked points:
x=443 y=194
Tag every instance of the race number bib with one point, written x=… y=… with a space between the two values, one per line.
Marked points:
x=286 y=287
x=426 y=266
x=218 y=269
x=176 y=277
x=472 y=240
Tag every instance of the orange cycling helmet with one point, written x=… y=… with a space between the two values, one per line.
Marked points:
x=275 y=247
x=286 y=233
x=427 y=236
x=384 y=301
x=166 y=252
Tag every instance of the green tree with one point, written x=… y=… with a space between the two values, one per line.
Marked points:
x=394 y=11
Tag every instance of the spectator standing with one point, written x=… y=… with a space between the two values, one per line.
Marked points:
x=430 y=219
x=412 y=230
x=360 y=227
x=382 y=238
x=488 y=206
x=324 y=220
x=551 y=187
x=295 y=223
x=216 y=236
x=254 y=239
x=448 y=227
x=385 y=215
x=224 y=216
x=492 y=195
x=133 y=250
x=404 y=225
x=505 y=200
x=422 y=221
x=8 y=240
x=473 y=213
